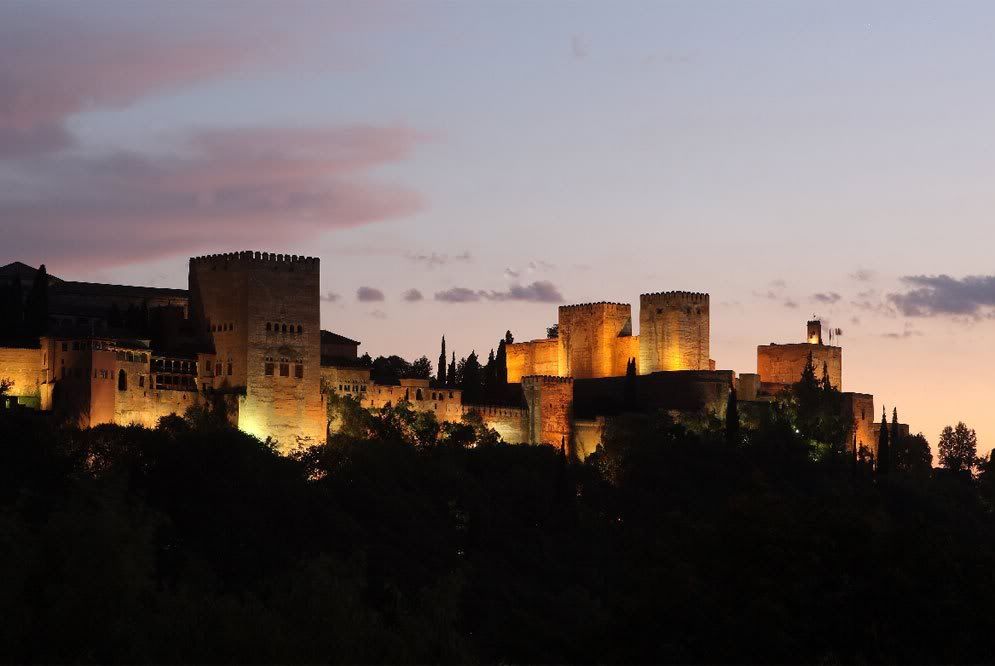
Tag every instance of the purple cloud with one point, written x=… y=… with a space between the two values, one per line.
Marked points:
x=938 y=295
x=541 y=291
x=412 y=296
x=369 y=295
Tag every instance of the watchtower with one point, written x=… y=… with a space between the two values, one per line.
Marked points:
x=673 y=331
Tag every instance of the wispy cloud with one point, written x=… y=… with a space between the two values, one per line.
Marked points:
x=863 y=275
x=827 y=298
x=199 y=188
x=434 y=259
x=369 y=295
x=330 y=297
x=412 y=296
x=541 y=291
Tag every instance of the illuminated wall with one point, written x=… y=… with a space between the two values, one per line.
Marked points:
x=673 y=331
x=23 y=367
x=536 y=357
x=550 y=407
x=783 y=364
x=589 y=334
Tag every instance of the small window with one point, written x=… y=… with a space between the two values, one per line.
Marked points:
x=141 y=381
x=269 y=326
x=122 y=381
x=269 y=369
x=284 y=329
x=217 y=369
x=284 y=369
x=298 y=371
x=229 y=369
x=65 y=346
x=363 y=388
x=300 y=329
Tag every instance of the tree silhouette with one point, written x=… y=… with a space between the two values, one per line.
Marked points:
x=553 y=331
x=441 y=376
x=958 y=448
x=732 y=418
x=36 y=307
x=884 y=457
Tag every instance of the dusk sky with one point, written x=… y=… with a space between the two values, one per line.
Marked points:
x=463 y=168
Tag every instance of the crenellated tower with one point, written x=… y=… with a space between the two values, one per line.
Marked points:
x=260 y=311
x=673 y=331
x=593 y=339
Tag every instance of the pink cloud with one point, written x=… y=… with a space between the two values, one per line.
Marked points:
x=222 y=187
x=53 y=67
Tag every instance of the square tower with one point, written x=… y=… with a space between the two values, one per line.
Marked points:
x=261 y=313
x=593 y=338
x=673 y=331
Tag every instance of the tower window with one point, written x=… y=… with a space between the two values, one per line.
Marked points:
x=217 y=369
x=122 y=381
x=284 y=369
x=269 y=369
x=284 y=329
x=229 y=368
x=298 y=371
x=269 y=326
x=300 y=329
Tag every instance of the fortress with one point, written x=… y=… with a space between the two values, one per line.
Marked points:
x=246 y=335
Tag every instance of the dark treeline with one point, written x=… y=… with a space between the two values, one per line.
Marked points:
x=757 y=538
x=481 y=382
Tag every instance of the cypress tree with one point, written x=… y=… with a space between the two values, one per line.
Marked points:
x=629 y=397
x=827 y=385
x=442 y=363
x=509 y=338
x=884 y=453
x=451 y=373
x=501 y=364
x=732 y=417
x=36 y=308
x=894 y=428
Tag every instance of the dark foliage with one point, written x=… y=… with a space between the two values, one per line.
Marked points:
x=405 y=541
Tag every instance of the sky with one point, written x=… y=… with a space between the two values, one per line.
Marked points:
x=464 y=168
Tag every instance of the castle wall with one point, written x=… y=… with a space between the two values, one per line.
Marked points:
x=550 y=410
x=673 y=331
x=24 y=368
x=587 y=436
x=509 y=422
x=536 y=357
x=691 y=391
x=783 y=364
x=588 y=335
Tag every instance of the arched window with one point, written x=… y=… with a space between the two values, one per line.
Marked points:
x=269 y=326
x=284 y=328
x=122 y=381
x=418 y=395
x=300 y=329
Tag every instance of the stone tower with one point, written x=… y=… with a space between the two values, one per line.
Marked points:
x=592 y=339
x=814 y=332
x=673 y=331
x=261 y=312
x=550 y=410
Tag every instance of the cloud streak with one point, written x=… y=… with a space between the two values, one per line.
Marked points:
x=541 y=291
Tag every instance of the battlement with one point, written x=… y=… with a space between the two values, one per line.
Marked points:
x=675 y=296
x=599 y=305
x=252 y=258
x=546 y=379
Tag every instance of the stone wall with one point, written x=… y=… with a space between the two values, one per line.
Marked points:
x=783 y=364
x=23 y=367
x=550 y=410
x=625 y=348
x=587 y=436
x=511 y=423
x=673 y=331
x=858 y=411
x=536 y=357
x=589 y=334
